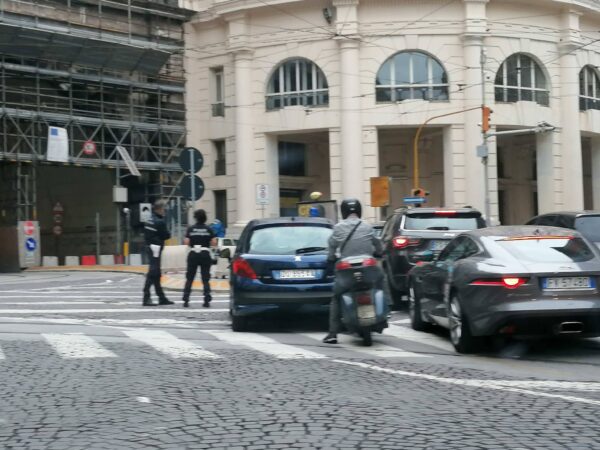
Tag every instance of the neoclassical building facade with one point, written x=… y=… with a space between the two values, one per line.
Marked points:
x=322 y=95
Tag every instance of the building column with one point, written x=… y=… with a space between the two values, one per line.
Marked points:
x=455 y=188
x=473 y=41
x=267 y=171
x=350 y=123
x=570 y=132
x=335 y=164
x=549 y=177
x=350 y=100
x=244 y=139
x=370 y=149
x=595 y=151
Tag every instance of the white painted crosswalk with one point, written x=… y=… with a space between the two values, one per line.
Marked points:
x=71 y=346
x=379 y=350
x=264 y=344
x=81 y=346
x=170 y=345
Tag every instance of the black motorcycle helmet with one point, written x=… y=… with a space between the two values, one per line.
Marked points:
x=351 y=206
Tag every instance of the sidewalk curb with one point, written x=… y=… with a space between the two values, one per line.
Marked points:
x=168 y=281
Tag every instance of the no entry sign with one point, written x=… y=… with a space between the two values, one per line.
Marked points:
x=89 y=147
x=28 y=228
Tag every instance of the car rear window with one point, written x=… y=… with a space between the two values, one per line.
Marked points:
x=288 y=239
x=589 y=226
x=560 y=249
x=433 y=221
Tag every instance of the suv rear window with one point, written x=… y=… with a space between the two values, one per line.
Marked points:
x=589 y=226
x=433 y=221
x=288 y=239
x=548 y=250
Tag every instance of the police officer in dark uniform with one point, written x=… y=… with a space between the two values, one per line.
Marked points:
x=155 y=235
x=200 y=238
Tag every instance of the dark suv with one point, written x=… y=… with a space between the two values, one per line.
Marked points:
x=415 y=235
x=586 y=222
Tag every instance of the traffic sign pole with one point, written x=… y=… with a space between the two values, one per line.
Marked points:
x=193 y=173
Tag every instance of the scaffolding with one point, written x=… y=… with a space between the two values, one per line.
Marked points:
x=109 y=72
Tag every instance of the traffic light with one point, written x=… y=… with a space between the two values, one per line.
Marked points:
x=485 y=118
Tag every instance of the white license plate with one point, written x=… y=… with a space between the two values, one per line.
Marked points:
x=297 y=274
x=568 y=283
x=438 y=245
x=365 y=311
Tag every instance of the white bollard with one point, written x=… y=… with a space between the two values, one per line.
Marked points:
x=107 y=260
x=71 y=260
x=50 y=261
x=135 y=259
x=174 y=257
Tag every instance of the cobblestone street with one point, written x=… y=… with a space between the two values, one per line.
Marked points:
x=117 y=376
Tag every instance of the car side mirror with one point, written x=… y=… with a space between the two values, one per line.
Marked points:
x=225 y=253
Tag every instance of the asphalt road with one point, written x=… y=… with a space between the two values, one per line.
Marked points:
x=84 y=366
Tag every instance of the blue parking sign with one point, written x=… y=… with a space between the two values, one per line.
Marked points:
x=30 y=244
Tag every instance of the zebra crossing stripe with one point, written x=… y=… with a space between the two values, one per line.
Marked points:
x=264 y=344
x=409 y=334
x=71 y=346
x=377 y=350
x=170 y=345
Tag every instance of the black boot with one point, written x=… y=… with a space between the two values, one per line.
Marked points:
x=165 y=301
x=147 y=301
x=330 y=339
x=186 y=302
x=207 y=299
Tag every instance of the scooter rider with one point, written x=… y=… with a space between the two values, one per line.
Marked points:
x=351 y=237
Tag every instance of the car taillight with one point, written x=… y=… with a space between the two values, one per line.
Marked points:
x=507 y=282
x=369 y=262
x=401 y=242
x=364 y=299
x=242 y=268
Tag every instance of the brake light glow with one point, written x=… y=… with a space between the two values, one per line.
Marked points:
x=401 y=242
x=367 y=262
x=445 y=213
x=364 y=299
x=342 y=265
x=507 y=282
x=242 y=268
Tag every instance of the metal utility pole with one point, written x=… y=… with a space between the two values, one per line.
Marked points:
x=484 y=146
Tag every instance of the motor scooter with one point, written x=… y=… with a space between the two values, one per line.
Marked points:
x=363 y=305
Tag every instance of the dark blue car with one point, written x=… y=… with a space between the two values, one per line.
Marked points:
x=280 y=264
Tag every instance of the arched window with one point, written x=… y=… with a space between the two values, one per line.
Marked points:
x=411 y=75
x=589 y=89
x=297 y=82
x=521 y=78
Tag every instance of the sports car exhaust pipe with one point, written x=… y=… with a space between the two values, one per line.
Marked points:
x=570 y=328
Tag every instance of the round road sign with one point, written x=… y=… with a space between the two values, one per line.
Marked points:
x=30 y=244
x=28 y=228
x=191 y=156
x=186 y=187
x=89 y=147
x=57 y=230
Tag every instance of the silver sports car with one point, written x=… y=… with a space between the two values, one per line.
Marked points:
x=512 y=281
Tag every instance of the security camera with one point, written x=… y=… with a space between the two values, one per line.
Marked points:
x=126 y=210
